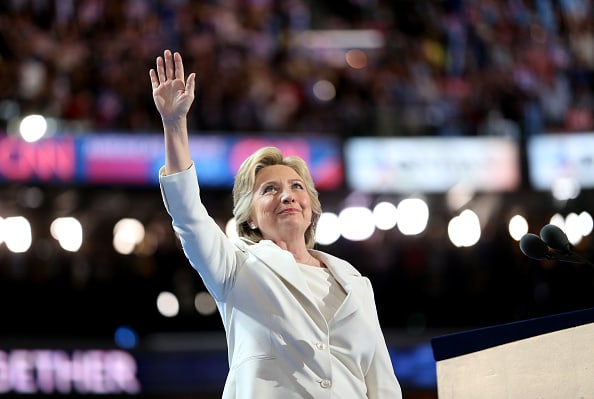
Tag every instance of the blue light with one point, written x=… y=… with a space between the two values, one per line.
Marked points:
x=125 y=337
x=415 y=366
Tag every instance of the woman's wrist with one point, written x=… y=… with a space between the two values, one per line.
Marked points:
x=174 y=122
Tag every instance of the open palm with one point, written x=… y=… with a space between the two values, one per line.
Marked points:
x=172 y=95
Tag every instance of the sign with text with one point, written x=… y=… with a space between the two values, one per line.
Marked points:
x=55 y=371
x=552 y=157
x=135 y=159
x=432 y=164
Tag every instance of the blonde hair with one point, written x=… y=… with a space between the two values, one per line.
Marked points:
x=244 y=185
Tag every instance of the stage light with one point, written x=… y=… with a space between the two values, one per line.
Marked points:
x=586 y=222
x=328 y=228
x=385 y=215
x=413 y=215
x=464 y=230
x=167 y=304
x=356 y=223
x=17 y=234
x=68 y=232
x=518 y=227
x=126 y=234
x=32 y=128
x=204 y=303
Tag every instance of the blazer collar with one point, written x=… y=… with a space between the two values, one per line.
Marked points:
x=283 y=263
x=342 y=271
x=279 y=260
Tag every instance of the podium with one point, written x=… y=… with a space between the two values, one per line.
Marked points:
x=543 y=358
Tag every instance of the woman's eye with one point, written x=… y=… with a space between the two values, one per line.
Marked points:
x=268 y=189
x=297 y=185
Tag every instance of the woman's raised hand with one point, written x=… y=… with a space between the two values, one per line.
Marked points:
x=173 y=96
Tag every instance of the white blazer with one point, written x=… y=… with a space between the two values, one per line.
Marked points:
x=279 y=343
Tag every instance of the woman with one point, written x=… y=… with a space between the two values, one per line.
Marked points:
x=300 y=323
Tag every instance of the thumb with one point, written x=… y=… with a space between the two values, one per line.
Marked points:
x=191 y=83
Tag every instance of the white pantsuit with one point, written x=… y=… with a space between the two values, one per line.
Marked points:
x=279 y=343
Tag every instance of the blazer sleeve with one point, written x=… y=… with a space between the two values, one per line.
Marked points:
x=381 y=379
x=206 y=246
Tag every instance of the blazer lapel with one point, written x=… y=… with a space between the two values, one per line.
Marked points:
x=348 y=277
x=283 y=264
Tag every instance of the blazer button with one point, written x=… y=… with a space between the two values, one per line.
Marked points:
x=320 y=345
x=325 y=383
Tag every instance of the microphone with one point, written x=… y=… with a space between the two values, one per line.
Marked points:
x=552 y=245
x=555 y=238
x=535 y=248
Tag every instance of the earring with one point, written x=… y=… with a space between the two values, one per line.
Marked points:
x=252 y=226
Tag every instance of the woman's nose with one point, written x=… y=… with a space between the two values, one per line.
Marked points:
x=287 y=196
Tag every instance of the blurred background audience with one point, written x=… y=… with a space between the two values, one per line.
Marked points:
x=450 y=67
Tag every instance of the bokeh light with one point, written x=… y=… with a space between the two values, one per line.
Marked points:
x=328 y=228
x=413 y=216
x=68 y=232
x=518 y=227
x=356 y=223
x=167 y=304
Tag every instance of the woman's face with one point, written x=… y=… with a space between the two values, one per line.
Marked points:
x=281 y=206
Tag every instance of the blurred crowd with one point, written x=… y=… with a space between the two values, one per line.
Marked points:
x=450 y=67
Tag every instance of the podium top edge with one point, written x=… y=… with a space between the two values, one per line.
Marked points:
x=465 y=342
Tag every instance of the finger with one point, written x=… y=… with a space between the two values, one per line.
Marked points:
x=160 y=69
x=154 y=79
x=179 y=66
x=169 y=68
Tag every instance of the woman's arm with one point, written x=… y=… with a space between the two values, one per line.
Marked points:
x=173 y=97
x=205 y=245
